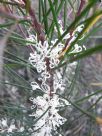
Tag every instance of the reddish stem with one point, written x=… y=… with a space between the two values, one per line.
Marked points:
x=37 y=26
x=50 y=80
x=82 y=3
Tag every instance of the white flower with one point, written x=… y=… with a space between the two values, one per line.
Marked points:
x=31 y=38
x=11 y=128
x=45 y=75
x=77 y=49
x=4 y=122
x=45 y=87
x=80 y=28
x=67 y=36
x=8 y=126
x=21 y=129
x=37 y=61
x=35 y=86
x=51 y=119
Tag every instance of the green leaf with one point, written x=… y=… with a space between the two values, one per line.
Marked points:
x=44 y=11
x=48 y=12
x=79 y=108
x=15 y=76
x=17 y=85
x=87 y=97
x=72 y=85
x=6 y=25
x=73 y=24
x=81 y=55
x=20 y=40
x=51 y=29
x=87 y=52
x=89 y=22
x=54 y=17
x=65 y=13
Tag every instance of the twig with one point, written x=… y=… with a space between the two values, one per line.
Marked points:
x=41 y=36
x=37 y=26
x=82 y=3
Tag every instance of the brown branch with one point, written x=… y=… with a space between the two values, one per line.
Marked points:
x=36 y=25
x=50 y=80
x=82 y=3
x=38 y=28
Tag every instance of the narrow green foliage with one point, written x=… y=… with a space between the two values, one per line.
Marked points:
x=19 y=74
x=75 y=22
x=51 y=29
x=54 y=17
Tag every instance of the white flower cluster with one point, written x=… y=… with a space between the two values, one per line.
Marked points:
x=48 y=121
x=47 y=106
x=37 y=59
x=51 y=119
x=73 y=36
x=7 y=127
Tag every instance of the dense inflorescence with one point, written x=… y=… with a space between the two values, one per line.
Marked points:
x=48 y=105
x=45 y=57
